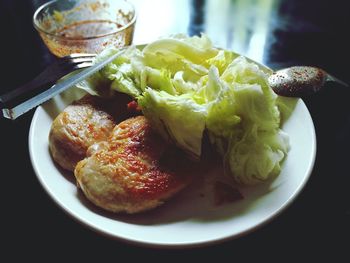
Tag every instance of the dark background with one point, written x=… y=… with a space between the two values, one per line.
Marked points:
x=316 y=225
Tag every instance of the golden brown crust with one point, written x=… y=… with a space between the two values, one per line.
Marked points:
x=76 y=128
x=133 y=173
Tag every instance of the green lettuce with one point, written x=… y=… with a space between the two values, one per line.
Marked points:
x=185 y=86
x=178 y=118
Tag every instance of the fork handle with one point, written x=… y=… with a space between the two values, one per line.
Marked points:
x=41 y=82
x=20 y=94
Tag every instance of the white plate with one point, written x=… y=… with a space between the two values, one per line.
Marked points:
x=191 y=218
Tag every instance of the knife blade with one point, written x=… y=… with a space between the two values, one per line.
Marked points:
x=56 y=89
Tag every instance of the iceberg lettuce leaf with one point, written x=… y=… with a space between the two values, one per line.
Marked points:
x=257 y=156
x=177 y=118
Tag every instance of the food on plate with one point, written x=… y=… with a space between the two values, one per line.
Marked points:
x=81 y=124
x=190 y=94
x=185 y=87
x=134 y=170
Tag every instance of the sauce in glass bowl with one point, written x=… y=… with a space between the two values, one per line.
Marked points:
x=68 y=27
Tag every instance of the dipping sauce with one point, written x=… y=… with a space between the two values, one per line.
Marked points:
x=88 y=27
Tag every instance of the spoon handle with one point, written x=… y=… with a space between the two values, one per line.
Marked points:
x=334 y=79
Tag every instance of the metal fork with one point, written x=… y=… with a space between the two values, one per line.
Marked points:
x=47 y=78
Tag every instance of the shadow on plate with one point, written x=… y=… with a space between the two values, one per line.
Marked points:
x=68 y=175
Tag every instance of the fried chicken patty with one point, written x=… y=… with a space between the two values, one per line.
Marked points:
x=135 y=170
x=81 y=124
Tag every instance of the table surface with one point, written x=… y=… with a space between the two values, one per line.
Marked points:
x=276 y=33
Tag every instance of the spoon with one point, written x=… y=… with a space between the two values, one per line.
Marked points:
x=300 y=81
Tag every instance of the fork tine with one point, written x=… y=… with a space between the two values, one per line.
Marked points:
x=81 y=55
x=69 y=63
x=81 y=60
x=83 y=65
x=75 y=58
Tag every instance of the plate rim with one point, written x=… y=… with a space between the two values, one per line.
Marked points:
x=186 y=244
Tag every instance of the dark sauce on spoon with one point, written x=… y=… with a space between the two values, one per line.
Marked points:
x=297 y=81
x=300 y=81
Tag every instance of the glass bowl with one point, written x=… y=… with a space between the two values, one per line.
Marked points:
x=85 y=26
